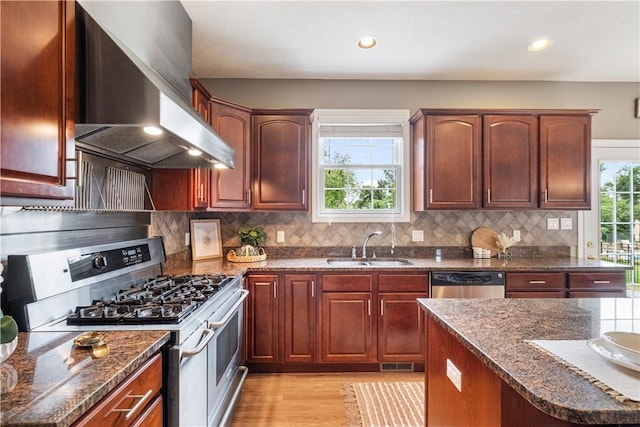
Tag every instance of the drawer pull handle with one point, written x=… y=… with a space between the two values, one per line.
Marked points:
x=537 y=282
x=601 y=282
x=130 y=411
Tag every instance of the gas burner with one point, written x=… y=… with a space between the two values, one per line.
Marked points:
x=165 y=299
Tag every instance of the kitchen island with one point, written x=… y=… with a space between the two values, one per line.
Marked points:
x=48 y=381
x=505 y=380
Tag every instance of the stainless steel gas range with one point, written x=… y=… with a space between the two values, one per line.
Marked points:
x=120 y=286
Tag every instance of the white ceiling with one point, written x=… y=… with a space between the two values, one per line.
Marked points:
x=418 y=40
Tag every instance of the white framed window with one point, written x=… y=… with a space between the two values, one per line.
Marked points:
x=360 y=163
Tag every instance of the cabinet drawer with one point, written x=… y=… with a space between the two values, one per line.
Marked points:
x=597 y=280
x=124 y=405
x=598 y=294
x=403 y=282
x=535 y=294
x=535 y=281
x=347 y=282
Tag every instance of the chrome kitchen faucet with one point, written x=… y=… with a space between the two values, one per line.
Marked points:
x=364 y=244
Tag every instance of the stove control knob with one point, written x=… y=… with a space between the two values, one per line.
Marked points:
x=99 y=262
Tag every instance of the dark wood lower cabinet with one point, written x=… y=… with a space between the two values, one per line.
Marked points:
x=281 y=319
x=484 y=399
x=597 y=284
x=583 y=284
x=300 y=320
x=347 y=327
x=140 y=392
x=262 y=326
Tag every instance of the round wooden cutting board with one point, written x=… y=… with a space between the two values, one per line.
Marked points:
x=485 y=237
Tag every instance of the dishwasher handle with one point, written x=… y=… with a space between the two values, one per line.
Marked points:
x=455 y=278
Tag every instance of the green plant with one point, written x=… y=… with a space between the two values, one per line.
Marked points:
x=253 y=236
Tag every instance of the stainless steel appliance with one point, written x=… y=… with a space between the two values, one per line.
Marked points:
x=119 y=93
x=467 y=284
x=120 y=286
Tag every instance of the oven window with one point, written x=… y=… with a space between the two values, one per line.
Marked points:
x=227 y=346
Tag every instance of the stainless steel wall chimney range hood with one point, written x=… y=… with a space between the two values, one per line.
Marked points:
x=119 y=95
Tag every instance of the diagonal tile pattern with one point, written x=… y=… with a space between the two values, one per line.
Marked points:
x=441 y=228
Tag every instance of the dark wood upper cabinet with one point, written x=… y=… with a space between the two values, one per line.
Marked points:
x=280 y=147
x=200 y=99
x=451 y=146
x=510 y=161
x=565 y=162
x=38 y=102
x=527 y=159
x=230 y=188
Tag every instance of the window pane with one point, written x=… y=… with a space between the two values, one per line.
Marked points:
x=623 y=207
x=335 y=199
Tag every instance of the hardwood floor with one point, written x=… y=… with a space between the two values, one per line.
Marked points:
x=288 y=400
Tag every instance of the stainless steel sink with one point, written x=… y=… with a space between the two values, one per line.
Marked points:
x=368 y=262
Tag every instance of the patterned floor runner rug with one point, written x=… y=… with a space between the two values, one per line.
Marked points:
x=385 y=404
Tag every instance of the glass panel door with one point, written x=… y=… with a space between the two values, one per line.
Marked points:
x=611 y=230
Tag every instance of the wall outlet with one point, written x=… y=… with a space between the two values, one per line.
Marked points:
x=566 y=224
x=553 y=224
x=454 y=375
x=187 y=239
x=417 y=236
x=516 y=235
x=280 y=236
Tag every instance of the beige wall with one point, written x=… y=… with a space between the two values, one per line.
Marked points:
x=614 y=100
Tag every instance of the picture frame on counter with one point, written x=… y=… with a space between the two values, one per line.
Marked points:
x=206 y=240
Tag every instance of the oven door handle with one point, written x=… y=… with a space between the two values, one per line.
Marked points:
x=208 y=335
x=232 y=310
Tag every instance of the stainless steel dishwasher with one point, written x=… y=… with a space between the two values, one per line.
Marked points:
x=467 y=284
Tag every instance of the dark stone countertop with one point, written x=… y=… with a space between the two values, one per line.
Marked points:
x=495 y=331
x=58 y=382
x=181 y=263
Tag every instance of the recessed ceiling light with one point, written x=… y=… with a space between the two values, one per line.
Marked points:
x=194 y=152
x=540 y=44
x=152 y=130
x=367 y=42
x=220 y=166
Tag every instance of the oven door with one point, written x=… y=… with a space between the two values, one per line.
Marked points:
x=226 y=376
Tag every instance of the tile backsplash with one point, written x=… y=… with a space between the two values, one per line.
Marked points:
x=440 y=228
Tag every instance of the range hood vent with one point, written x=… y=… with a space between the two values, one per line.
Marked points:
x=119 y=94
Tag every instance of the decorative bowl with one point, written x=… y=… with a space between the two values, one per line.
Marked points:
x=7 y=349
x=628 y=343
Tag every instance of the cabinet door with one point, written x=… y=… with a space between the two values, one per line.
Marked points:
x=38 y=102
x=510 y=161
x=230 y=187
x=347 y=327
x=201 y=100
x=400 y=327
x=280 y=164
x=262 y=319
x=300 y=322
x=565 y=162
x=452 y=150
x=171 y=189
x=200 y=185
